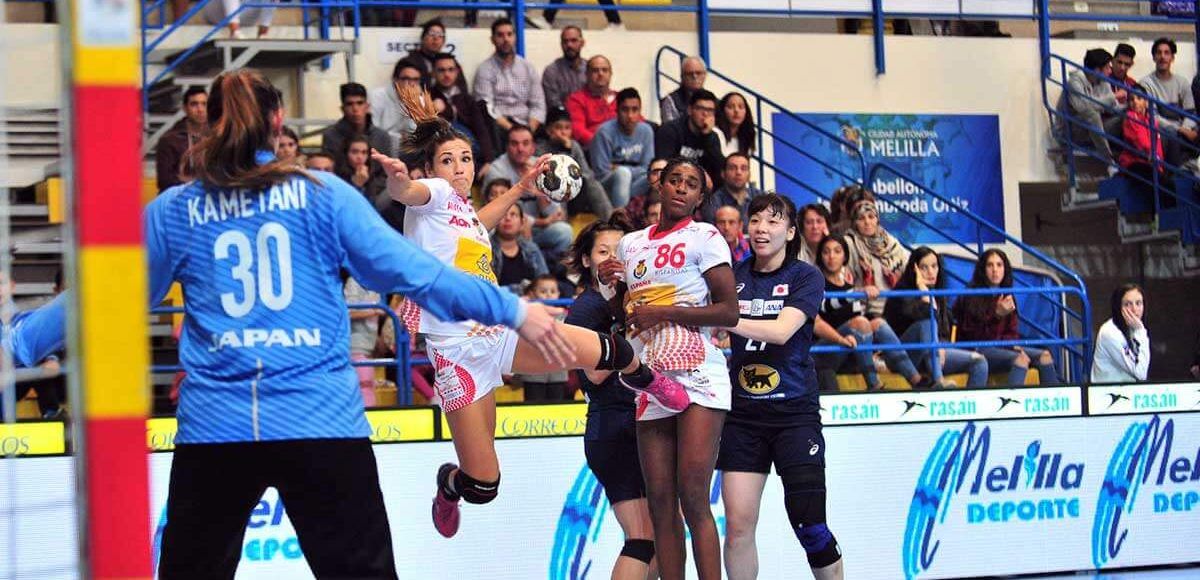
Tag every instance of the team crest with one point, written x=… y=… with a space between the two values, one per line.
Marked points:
x=640 y=269
x=758 y=379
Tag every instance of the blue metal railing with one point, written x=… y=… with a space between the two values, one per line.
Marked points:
x=1068 y=121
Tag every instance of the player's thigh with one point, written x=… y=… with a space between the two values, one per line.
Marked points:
x=586 y=343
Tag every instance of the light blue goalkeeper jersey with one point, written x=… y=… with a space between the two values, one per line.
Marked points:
x=265 y=338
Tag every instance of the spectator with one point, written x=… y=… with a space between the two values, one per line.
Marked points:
x=389 y=113
x=692 y=73
x=1123 y=345
x=622 y=150
x=172 y=147
x=612 y=16
x=729 y=222
x=842 y=321
x=1089 y=100
x=508 y=84
x=876 y=257
x=1121 y=63
x=1174 y=90
x=495 y=188
x=559 y=141
x=1136 y=159
x=568 y=72
x=692 y=136
x=465 y=112
x=653 y=212
x=359 y=170
x=287 y=147
x=995 y=317
x=840 y=204
x=216 y=11
x=735 y=124
x=516 y=260
x=814 y=223
x=320 y=161
x=544 y=386
x=433 y=38
x=638 y=206
x=593 y=104
x=909 y=317
x=551 y=232
x=356 y=120
x=364 y=332
x=735 y=189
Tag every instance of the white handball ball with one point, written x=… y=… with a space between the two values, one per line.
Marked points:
x=562 y=179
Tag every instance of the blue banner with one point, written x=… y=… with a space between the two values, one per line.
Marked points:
x=956 y=156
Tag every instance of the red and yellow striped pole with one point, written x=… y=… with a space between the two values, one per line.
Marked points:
x=111 y=278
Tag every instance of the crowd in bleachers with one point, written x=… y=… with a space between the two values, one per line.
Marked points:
x=513 y=112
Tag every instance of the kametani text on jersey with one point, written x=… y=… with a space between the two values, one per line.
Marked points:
x=218 y=206
x=266 y=338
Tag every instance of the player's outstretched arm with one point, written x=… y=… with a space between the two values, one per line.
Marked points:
x=491 y=214
x=400 y=186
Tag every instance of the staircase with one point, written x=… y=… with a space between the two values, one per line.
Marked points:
x=29 y=138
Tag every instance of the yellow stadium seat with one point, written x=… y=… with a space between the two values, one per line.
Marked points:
x=50 y=194
x=510 y=394
x=581 y=220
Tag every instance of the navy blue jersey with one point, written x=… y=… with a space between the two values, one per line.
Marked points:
x=776 y=384
x=265 y=338
x=591 y=311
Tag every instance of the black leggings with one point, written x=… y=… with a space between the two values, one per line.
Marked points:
x=329 y=488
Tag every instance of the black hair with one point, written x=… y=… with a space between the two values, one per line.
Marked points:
x=432 y=130
x=908 y=280
x=1124 y=50
x=322 y=154
x=430 y=24
x=445 y=56
x=618 y=221
x=515 y=128
x=351 y=90
x=191 y=92
x=291 y=134
x=497 y=23
x=702 y=95
x=821 y=251
x=1096 y=58
x=406 y=63
x=817 y=208
x=674 y=162
x=1164 y=40
x=626 y=94
x=778 y=205
x=978 y=307
x=504 y=181
x=732 y=155
x=1114 y=302
x=745 y=131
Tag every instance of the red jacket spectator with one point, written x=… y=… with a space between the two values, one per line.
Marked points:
x=1136 y=130
x=588 y=112
x=990 y=326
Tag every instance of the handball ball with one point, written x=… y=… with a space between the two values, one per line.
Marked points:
x=562 y=179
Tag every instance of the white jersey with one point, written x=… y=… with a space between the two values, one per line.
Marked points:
x=447 y=227
x=667 y=269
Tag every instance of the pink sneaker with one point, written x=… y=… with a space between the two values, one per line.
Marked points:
x=665 y=391
x=446 y=515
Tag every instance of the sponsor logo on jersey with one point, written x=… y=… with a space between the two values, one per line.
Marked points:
x=740 y=285
x=640 y=270
x=780 y=290
x=758 y=379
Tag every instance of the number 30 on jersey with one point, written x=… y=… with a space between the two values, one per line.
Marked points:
x=254 y=268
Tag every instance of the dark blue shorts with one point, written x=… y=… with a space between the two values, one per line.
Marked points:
x=754 y=448
x=610 y=445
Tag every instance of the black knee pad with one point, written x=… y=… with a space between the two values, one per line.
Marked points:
x=804 y=500
x=640 y=550
x=475 y=491
x=615 y=352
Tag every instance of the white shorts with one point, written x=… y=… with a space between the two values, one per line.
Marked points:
x=707 y=385
x=467 y=368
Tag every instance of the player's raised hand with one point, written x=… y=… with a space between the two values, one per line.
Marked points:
x=398 y=179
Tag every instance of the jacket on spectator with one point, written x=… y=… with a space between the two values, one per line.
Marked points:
x=1136 y=131
x=471 y=113
x=334 y=137
x=562 y=78
x=169 y=153
x=990 y=327
x=375 y=184
x=1120 y=360
x=611 y=146
x=389 y=114
x=1086 y=99
x=588 y=112
x=901 y=313
x=722 y=197
x=529 y=254
x=676 y=139
x=673 y=106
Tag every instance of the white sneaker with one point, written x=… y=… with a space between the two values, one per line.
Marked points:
x=539 y=22
x=620 y=26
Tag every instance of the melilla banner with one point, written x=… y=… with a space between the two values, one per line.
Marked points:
x=956 y=156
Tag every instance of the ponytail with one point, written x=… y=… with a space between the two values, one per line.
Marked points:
x=431 y=131
x=241 y=104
